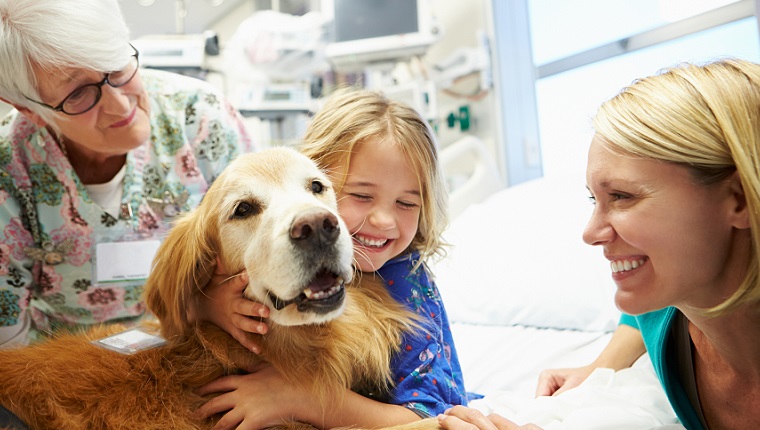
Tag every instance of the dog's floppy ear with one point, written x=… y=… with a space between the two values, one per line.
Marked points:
x=183 y=266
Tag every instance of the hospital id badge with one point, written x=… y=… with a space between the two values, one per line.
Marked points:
x=130 y=341
x=124 y=261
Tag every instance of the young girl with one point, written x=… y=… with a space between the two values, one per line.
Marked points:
x=383 y=161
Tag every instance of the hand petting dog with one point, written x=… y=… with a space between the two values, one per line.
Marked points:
x=223 y=303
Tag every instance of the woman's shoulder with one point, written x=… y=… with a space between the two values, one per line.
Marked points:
x=15 y=127
x=176 y=87
x=179 y=101
x=20 y=138
x=7 y=123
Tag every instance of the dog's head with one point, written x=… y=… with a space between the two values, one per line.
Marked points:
x=272 y=214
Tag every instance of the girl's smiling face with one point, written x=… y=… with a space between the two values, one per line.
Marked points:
x=670 y=241
x=380 y=202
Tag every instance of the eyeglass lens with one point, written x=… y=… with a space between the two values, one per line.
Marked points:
x=87 y=96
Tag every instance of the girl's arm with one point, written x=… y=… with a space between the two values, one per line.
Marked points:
x=264 y=398
x=426 y=370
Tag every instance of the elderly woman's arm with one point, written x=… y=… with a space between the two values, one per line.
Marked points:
x=15 y=279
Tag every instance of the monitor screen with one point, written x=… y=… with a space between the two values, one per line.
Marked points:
x=364 y=19
x=368 y=31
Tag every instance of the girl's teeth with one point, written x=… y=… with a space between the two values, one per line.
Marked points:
x=377 y=243
x=625 y=265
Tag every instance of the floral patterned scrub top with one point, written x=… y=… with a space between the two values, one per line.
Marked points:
x=45 y=208
x=427 y=375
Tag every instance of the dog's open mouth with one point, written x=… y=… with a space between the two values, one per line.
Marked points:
x=324 y=293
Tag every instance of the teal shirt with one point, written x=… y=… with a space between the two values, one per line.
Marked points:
x=655 y=328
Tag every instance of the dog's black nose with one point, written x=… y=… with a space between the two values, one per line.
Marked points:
x=314 y=228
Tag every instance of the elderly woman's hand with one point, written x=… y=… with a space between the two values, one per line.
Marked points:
x=464 y=418
x=223 y=304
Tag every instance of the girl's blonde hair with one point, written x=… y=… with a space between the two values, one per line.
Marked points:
x=351 y=116
x=705 y=117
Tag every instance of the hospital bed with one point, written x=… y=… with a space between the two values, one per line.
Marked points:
x=524 y=293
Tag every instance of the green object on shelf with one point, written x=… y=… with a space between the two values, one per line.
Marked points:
x=464 y=118
x=451 y=120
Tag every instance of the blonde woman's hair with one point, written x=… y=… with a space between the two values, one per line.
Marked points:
x=54 y=35
x=351 y=116
x=705 y=117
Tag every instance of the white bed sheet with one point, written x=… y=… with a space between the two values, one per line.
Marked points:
x=630 y=399
x=500 y=358
x=503 y=363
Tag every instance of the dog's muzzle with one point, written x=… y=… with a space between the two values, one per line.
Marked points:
x=315 y=234
x=324 y=294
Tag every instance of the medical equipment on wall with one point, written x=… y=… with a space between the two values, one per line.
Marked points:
x=274 y=100
x=176 y=51
x=421 y=95
x=418 y=83
x=271 y=46
x=271 y=60
x=370 y=31
x=463 y=62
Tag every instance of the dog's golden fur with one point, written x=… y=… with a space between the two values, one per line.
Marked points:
x=70 y=383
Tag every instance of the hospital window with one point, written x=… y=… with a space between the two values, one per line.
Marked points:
x=585 y=51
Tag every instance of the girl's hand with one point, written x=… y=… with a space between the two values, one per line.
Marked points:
x=257 y=400
x=223 y=304
x=464 y=418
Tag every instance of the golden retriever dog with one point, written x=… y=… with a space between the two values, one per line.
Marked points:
x=274 y=215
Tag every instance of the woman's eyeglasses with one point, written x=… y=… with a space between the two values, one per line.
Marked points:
x=87 y=96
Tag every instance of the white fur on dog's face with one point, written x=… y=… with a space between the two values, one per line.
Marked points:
x=279 y=220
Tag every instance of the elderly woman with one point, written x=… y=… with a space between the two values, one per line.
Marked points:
x=95 y=160
x=674 y=172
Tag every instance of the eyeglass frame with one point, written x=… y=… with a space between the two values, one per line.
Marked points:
x=98 y=85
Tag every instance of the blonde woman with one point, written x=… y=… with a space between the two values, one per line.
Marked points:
x=674 y=173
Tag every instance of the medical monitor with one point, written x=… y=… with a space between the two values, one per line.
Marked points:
x=369 y=31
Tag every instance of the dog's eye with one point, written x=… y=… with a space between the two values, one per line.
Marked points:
x=245 y=209
x=317 y=187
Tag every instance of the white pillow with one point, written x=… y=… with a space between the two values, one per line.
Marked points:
x=519 y=258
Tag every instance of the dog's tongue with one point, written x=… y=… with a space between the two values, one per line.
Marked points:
x=323 y=281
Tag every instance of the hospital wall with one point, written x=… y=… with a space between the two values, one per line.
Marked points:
x=462 y=24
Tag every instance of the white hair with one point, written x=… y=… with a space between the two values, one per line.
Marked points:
x=56 y=34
